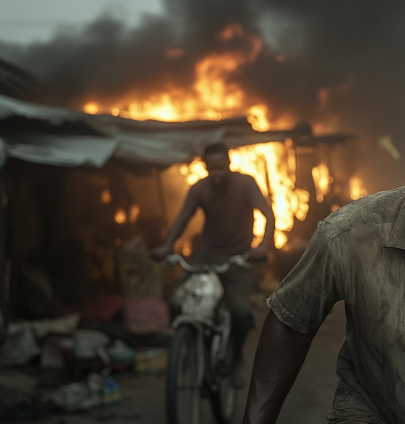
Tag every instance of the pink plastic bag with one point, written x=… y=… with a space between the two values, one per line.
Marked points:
x=146 y=314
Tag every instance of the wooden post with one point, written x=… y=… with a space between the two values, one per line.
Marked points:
x=165 y=220
x=4 y=259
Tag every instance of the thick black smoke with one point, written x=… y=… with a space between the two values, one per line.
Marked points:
x=344 y=63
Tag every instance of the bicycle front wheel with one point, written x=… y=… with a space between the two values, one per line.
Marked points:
x=224 y=397
x=183 y=391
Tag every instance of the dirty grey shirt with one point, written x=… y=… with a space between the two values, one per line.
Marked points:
x=357 y=255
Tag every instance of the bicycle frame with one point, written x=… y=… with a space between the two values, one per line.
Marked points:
x=205 y=325
x=202 y=321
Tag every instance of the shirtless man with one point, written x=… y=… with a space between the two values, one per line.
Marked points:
x=228 y=200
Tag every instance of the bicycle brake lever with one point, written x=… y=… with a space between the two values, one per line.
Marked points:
x=240 y=260
x=172 y=259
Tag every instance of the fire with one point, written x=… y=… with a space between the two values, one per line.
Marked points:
x=213 y=97
x=120 y=216
x=195 y=171
x=91 y=108
x=322 y=181
x=357 y=190
x=133 y=213
x=258 y=117
x=106 y=196
x=273 y=166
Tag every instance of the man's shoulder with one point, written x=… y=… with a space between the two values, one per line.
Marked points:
x=374 y=209
x=245 y=179
x=200 y=184
x=241 y=176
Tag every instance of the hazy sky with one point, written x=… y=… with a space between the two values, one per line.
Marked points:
x=23 y=21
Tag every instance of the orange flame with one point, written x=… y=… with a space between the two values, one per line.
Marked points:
x=212 y=96
x=106 y=196
x=134 y=213
x=120 y=216
x=91 y=108
x=357 y=190
x=322 y=181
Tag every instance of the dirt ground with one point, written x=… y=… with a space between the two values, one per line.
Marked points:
x=142 y=395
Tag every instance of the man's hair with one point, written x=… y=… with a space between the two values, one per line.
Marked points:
x=214 y=148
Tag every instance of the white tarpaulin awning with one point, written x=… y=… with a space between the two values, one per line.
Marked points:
x=64 y=137
x=165 y=143
x=55 y=115
x=60 y=149
x=45 y=142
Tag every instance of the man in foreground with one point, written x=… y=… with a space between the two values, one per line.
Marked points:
x=228 y=200
x=357 y=255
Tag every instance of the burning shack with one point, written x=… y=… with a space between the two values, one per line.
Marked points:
x=89 y=194
x=87 y=184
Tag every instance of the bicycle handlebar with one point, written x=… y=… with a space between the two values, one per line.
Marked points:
x=175 y=258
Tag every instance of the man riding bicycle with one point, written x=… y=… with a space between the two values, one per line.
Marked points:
x=228 y=200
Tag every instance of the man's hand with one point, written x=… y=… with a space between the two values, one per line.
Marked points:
x=161 y=252
x=258 y=253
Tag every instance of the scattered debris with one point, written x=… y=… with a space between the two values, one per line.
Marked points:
x=97 y=390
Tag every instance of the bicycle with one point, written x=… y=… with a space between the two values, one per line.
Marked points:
x=200 y=356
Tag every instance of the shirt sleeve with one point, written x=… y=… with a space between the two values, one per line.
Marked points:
x=307 y=294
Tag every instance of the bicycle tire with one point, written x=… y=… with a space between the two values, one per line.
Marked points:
x=224 y=396
x=183 y=396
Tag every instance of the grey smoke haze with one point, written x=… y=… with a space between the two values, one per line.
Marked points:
x=354 y=50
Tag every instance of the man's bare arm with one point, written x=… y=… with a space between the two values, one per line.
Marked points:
x=179 y=226
x=262 y=205
x=176 y=229
x=267 y=212
x=279 y=357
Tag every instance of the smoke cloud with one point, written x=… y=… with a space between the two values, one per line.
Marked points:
x=338 y=63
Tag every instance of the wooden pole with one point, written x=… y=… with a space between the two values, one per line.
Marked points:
x=5 y=270
x=162 y=200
